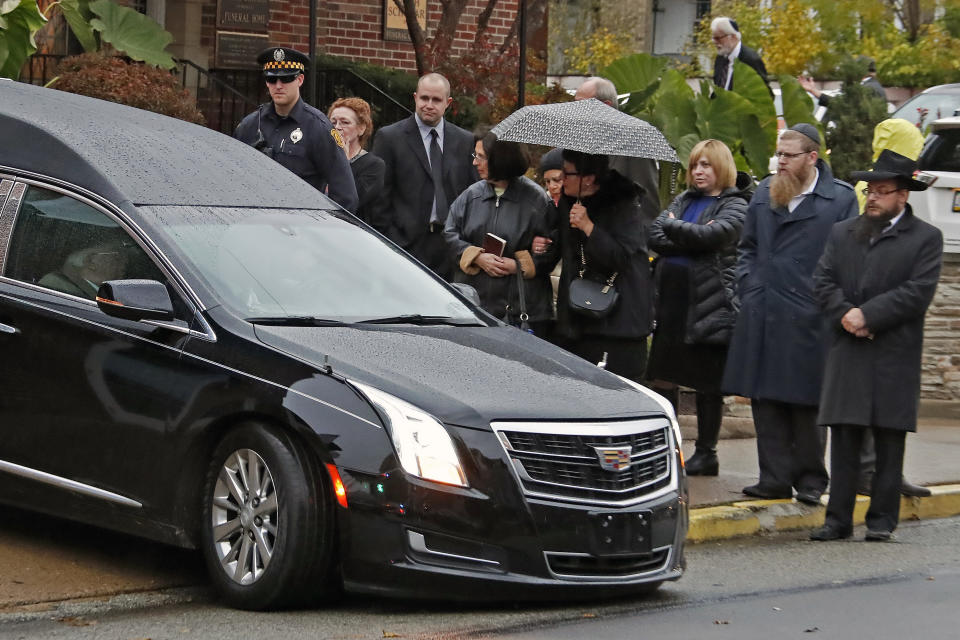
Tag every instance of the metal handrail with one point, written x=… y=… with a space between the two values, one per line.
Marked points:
x=220 y=83
x=377 y=89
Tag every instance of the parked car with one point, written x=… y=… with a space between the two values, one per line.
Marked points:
x=939 y=167
x=201 y=349
x=931 y=104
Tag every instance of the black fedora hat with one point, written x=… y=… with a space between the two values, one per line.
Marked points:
x=890 y=165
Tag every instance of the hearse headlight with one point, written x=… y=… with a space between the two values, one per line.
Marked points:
x=423 y=445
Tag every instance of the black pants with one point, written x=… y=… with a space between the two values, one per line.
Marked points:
x=790 y=446
x=626 y=357
x=432 y=250
x=884 y=511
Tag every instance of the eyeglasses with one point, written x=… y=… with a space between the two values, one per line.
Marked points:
x=720 y=38
x=877 y=192
x=789 y=156
x=283 y=79
x=478 y=158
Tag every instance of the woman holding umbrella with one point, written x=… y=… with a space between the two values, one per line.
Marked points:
x=602 y=240
x=696 y=308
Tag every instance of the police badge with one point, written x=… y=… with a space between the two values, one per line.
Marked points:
x=296 y=136
x=278 y=54
x=337 y=138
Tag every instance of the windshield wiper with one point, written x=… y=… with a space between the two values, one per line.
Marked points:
x=418 y=319
x=295 y=321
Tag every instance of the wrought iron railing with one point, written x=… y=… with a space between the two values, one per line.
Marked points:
x=226 y=96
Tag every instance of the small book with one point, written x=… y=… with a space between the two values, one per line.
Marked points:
x=494 y=244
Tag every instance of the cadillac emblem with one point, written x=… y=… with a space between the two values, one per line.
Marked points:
x=613 y=458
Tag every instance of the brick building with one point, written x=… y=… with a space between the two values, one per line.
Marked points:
x=214 y=33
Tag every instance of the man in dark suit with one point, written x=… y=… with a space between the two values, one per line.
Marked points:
x=428 y=164
x=730 y=47
x=874 y=282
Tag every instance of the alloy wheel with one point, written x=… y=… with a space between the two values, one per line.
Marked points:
x=245 y=516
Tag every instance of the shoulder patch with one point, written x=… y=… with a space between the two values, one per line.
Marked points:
x=337 y=138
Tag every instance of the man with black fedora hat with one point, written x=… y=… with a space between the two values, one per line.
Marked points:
x=296 y=135
x=777 y=351
x=874 y=282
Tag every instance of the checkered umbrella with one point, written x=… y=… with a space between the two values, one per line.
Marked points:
x=589 y=126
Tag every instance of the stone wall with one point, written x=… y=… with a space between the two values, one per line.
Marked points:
x=941 y=341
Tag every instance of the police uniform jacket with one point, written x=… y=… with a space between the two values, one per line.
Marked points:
x=777 y=350
x=302 y=142
x=876 y=382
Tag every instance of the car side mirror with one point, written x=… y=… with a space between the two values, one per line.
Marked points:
x=135 y=300
x=467 y=292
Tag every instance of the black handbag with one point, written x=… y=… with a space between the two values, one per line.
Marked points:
x=524 y=317
x=589 y=297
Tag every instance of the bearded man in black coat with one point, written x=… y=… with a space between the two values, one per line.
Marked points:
x=875 y=280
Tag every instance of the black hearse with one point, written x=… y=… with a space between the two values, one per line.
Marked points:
x=199 y=348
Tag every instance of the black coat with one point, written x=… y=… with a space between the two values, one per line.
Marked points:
x=408 y=183
x=618 y=244
x=368 y=172
x=876 y=382
x=522 y=212
x=777 y=350
x=711 y=245
x=747 y=56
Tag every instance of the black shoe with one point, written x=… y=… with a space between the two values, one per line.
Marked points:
x=769 y=493
x=878 y=536
x=830 y=532
x=911 y=490
x=809 y=497
x=703 y=463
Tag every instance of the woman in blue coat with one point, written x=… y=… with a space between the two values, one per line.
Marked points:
x=697 y=304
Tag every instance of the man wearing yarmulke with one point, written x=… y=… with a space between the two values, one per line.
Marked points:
x=777 y=351
x=295 y=134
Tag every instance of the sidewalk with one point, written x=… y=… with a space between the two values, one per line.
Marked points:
x=719 y=509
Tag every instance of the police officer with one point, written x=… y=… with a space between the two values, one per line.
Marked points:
x=295 y=134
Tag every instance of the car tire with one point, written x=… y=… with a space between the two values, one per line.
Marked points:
x=267 y=522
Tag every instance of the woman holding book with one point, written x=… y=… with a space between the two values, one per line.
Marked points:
x=489 y=231
x=697 y=305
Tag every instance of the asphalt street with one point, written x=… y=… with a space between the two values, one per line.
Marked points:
x=747 y=586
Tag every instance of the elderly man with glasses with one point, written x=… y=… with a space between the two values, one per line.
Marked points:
x=730 y=47
x=777 y=350
x=296 y=135
x=874 y=282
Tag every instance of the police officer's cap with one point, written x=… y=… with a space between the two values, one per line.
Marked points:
x=281 y=61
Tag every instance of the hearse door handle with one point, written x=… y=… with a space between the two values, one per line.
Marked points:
x=5 y=328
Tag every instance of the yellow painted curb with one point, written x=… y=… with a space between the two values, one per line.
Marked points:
x=751 y=517
x=718 y=523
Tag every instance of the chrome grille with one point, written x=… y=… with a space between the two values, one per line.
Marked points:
x=559 y=460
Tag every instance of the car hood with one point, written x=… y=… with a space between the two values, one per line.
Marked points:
x=467 y=376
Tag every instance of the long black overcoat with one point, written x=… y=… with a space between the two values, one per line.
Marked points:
x=876 y=382
x=777 y=351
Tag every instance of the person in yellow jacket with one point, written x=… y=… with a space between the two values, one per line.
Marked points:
x=895 y=134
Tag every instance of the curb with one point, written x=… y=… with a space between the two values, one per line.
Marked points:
x=752 y=517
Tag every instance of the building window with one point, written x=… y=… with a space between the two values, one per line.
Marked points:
x=703 y=9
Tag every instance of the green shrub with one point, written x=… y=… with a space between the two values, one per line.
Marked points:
x=130 y=83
